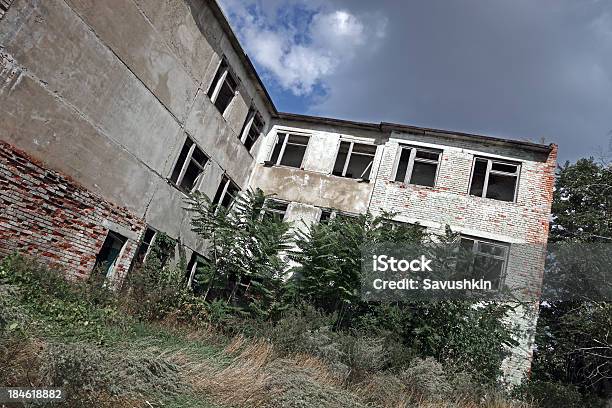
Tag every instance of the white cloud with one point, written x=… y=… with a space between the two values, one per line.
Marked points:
x=301 y=43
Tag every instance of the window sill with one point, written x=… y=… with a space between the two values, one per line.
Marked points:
x=492 y=199
x=415 y=186
x=269 y=164
x=358 y=180
x=183 y=192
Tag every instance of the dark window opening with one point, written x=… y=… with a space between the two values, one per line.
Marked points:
x=252 y=128
x=275 y=209
x=226 y=193
x=289 y=150
x=223 y=87
x=226 y=94
x=4 y=6
x=402 y=166
x=278 y=146
x=326 y=216
x=111 y=248
x=194 y=272
x=220 y=72
x=188 y=167
x=478 y=177
x=487 y=261
x=145 y=245
x=354 y=160
x=417 y=166
x=494 y=179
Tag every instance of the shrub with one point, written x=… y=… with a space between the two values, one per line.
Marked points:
x=427 y=378
x=551 y=395
x=66 y=308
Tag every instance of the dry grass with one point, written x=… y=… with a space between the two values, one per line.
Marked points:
x=256 y=378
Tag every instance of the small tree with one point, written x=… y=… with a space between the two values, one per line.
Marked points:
x=245 y=266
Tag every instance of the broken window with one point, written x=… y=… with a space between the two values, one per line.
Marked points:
x=487 y=261
x=275 y=209
x=354 y=160
x=188 y=167
x=196 y=263
x=4 y=6
x=226 y=193
x=289 y=150
x=417 y=166
x=109 y=253
x=494 y=179
x=145 y=246
x=223 y=87
x=253 y=126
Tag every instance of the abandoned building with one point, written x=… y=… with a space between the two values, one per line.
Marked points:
x=112 y=111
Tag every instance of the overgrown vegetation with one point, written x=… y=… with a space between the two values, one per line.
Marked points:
x=240 y=334
x=125 y=360
x=573 y=357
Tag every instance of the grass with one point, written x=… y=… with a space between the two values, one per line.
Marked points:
x=104 y=357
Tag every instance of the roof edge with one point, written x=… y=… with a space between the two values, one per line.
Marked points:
x=242 y=55
x=531 y=146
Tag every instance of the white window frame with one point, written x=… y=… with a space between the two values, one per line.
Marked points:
x=412 y=159
x=476 y=243
x=219 y=84
x=348 y=157
x=489 y=171
x=194 y=267
x=228 y=183
x=253 y=113
x=288 y=134
x=150 y=244
x=188 y=159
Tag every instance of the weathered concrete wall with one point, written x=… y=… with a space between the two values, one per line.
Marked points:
x=107 y=92
x=47 y=215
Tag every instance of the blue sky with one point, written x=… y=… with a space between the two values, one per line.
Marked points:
x=521 y=69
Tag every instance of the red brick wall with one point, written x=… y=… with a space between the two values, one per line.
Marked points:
x=49 y=216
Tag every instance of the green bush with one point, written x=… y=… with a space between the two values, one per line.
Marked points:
x=551 y=395
x=78 y=308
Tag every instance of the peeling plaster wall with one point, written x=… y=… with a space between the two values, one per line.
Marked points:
x=107 y=92
x=314 y=184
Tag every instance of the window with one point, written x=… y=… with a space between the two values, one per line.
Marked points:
x=223 y=87
x=354 y=160
x=417 y=166
x=111 y=248
x=226 y=193
x=4 y=6
x=145 y=245
x=253 y=126
x=196 y=262
x=494 y=179
x=488 y=259
x=326 y=216
x=289 y=150
x=188 y=167
x=275 y=209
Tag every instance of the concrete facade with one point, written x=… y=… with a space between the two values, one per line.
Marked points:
x=97 y=100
